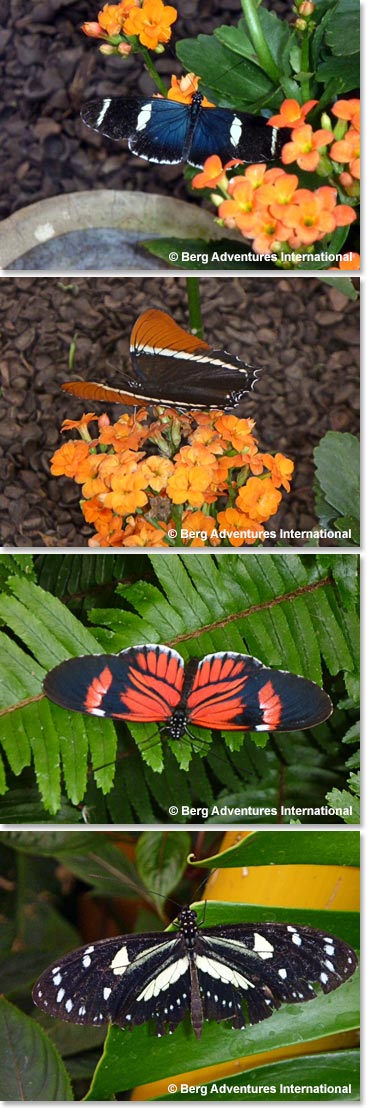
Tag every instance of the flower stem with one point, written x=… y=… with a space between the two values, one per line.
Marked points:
x=259 y=41
x=305 y=61
x=152 y=70
x=193 y=296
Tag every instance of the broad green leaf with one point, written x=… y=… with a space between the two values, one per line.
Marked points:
x=313 y=848
x=342 y=33
x=161 y=858
x=229 y=85
x=31 y=1068
x=337 y=1071
x=342 y=72
x=338 y=453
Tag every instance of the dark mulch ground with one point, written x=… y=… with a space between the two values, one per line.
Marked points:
x=304 y=334
x=48 y=68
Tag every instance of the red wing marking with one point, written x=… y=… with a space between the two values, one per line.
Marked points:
x=156 y=331
x=97 y=690
x=91 y=390
x=216 y=699
x=271 y=705
x=154 y=686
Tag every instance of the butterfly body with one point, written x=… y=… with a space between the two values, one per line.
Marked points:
x=237 y=973
x=170 y=132
x=223 y=691
x=174 y=368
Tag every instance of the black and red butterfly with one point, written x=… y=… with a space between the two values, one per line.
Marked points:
x=223 y=692
x=173 y=368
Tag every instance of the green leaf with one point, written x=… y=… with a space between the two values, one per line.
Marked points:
x=342 y=33
x=350 y=525
x=161 y=860
x=342 y=72
x=336 y=454
x=31 y=1068
x=312 y=1073
x=343 y=284
x=276 y=31
x=228 y=84
x=345 y=799
x=312 y=848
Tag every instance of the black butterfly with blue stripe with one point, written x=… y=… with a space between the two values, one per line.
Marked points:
x=170 y=132
x=239 y=973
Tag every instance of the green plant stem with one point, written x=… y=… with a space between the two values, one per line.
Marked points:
x=305 y=61
x=152 y=70
x=258 y=40
x=193 y=297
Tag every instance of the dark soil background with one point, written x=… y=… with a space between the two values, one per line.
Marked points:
x=302 y=332
x=48 y=68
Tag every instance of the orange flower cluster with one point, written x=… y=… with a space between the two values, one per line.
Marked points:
x=267 y=206
x=346 y=148
x=148 y=20
x=171 y=479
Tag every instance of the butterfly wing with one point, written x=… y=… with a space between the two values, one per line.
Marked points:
x=156 y=129
x=182 y=368
x=92 y=390
x=232 y=134
x=233 y=692
x=265 y=965
x=143 y=683
x=125 y=980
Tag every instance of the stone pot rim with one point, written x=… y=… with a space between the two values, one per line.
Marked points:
x=142 y=212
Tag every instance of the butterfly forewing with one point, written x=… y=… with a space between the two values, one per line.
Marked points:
x=239 y=973
x=141 y=683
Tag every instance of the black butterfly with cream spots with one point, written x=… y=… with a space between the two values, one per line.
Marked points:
x=238 y=973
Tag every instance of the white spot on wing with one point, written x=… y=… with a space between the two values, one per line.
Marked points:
x=235 y=131
x=121 y=961
x=262 y=947
x=104 y=109
x=144 y=117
